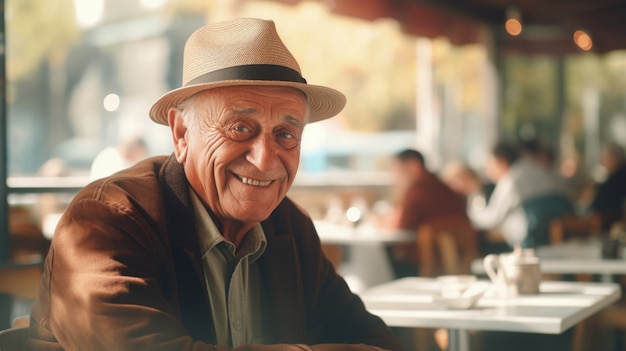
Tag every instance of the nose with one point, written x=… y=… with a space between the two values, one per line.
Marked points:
x=264 y=153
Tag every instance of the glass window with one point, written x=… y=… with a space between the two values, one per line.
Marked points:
x=572 y=104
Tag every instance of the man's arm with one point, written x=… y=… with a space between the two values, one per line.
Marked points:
x=105 y=286
x=503 y=200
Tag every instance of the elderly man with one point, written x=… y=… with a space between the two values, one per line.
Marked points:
x=202 y=250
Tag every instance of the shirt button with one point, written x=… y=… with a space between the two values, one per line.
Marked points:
x=236 y=325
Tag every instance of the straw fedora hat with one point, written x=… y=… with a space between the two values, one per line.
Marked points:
x=245 y=51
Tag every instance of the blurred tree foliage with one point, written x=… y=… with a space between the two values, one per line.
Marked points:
x=38 y=31
x=604 y=74
x=372 y=63
x=530 y=95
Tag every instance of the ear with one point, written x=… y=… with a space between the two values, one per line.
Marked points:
x=179 y=133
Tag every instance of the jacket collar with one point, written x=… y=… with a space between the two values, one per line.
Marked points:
x=192 y=294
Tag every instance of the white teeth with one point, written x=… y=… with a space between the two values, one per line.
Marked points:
x=255 y=182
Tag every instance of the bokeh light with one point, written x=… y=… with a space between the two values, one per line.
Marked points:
x=111 y=102
x=583 y=40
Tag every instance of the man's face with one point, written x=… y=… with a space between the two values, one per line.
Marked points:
x=242 y=151
x=403 y=172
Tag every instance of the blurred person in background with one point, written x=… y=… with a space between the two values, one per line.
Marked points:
x=202 y=250
x=420 y=196
x=539 y=152
x=610 y=195
x=518 y=178
x=467 y=182
x=463 y=179
x=578 y=180
x=126 y=153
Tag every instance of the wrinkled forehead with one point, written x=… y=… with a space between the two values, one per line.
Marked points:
x=228 y=92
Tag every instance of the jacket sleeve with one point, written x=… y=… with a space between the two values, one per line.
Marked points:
x=103 y=286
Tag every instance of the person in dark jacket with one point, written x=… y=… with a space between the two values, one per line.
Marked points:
x=202 y=250
x=610 y=195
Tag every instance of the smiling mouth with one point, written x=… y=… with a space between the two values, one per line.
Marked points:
x=254 y=182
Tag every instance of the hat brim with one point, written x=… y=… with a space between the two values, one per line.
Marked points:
x=323 y=102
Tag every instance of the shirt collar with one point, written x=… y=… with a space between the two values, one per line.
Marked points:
x=209 y=236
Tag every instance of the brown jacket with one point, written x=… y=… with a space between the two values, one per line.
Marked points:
x=124 y=273
x=427 y=199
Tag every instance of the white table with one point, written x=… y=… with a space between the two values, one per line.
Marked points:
x=577 y=257
x=408 y=302
x=368 y=263
x=331 y=233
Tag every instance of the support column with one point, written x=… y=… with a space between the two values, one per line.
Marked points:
x=5 y=243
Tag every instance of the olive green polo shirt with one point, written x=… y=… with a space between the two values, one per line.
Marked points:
x=232 y=279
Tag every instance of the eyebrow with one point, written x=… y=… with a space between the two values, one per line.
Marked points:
x=292 y=120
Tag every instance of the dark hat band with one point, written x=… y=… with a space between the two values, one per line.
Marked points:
x=250 y=72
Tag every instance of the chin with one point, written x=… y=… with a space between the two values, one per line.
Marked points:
x=256 y=214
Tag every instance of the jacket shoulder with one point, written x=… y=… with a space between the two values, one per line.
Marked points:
x=134 y=193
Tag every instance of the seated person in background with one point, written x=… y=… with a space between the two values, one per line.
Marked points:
x=421 y=196
x=541 y=153
x=577 y=179
x=201 y=250
x=610 y=196
x=518 y=179
x=128 y=151
x=545 y=157
x=464 y=180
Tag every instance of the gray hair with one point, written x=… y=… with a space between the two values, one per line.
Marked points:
x=188 y=108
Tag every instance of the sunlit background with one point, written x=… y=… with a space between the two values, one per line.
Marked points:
x=82 y=75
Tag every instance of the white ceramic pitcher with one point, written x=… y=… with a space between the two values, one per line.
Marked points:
x=515 y=273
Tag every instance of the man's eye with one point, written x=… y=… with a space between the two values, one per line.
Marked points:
x=286 y=135
x=241 y=129
x=287 y=139
x=240 y=132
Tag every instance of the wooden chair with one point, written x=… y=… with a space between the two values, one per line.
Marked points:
x=13 y=339
x=21 y=321
x=446 y=245
x=571 y=227
x=612 y=318
x=20 y=280
x=27 y=240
